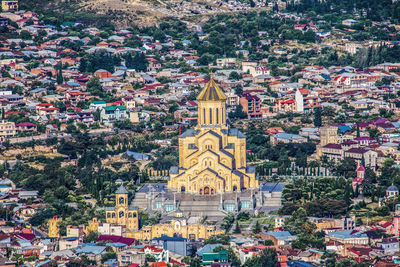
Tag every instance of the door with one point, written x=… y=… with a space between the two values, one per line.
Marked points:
x=206 y=190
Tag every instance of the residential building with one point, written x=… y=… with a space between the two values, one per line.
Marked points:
x=7 y=130
x=251 y=105
x=113 y=113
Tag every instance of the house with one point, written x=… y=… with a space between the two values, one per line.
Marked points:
x=246 y=253
x=280 y=238
x=389 y=245
x=102 y=74
x=251 y=105
x=129 y=102
x=349 y=22
x=26 y=127
x=348 y=237
x=97 y=105
x=177 y=245
x=7 y=129
x=210 y=258
x=113 y=113
x=287 y=138
x=68 y=243
x=226 y=62
x=93 y=252
x=9 y=5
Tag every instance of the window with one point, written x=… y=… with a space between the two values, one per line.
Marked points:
x=113 y=214
x=204 y=115
x=130 y=215
x=230 y=207
x=169 y=207
x=108 y=215
x=158 y=205
x=217 y=116
x=121 y=214
x=210 y=116
x=121 y=200
x=245 y=204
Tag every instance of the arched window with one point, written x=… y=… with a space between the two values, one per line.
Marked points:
x=183 y=189
x=210 y=116
x=217 y=115
x=121 y=200
x=204 y=115
x=121 y=214
x=113 y=214
x=130 y=215
x=234 y=188
x=134 y=215
x=108 y=215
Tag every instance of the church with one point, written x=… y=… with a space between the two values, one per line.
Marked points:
x=212 y=156
x=212 y=177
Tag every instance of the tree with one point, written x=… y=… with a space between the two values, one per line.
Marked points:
x=266 y=258
x=91 y=237
x=227 y=222
x=237 y=228
x=234 y=76
x=317 y=117
x=60 y=78
x=256 y=228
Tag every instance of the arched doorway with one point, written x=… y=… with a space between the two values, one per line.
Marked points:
x=206 y=190
x=234 y=188
x=212 y=191
x=183 y=189
x=201 y=191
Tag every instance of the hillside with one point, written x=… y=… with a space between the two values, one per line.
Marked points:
x=125 y=13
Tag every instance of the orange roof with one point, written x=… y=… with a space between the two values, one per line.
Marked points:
x=304 y=91
x=159 y=264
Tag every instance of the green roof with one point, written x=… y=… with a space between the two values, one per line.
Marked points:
x=215 y=257
x=99 y=102
x=111 y=108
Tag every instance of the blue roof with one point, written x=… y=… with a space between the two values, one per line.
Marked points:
x=282 y=235
x=344 y=128
x=347 y=234
x=168 y=238
x=117 y=244
x=299 y=264
x=209 y=248
x=392 y=188
x=137 y=156
x=273 y=187
x=43 y=263
x=154 y=187
x=90 y=249
x=287 y=136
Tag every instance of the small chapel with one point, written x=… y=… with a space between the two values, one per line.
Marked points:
x=212 y=156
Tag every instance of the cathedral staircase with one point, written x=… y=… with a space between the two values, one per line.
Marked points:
x=201 y=206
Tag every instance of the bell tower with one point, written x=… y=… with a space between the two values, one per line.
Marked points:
x=211 y=106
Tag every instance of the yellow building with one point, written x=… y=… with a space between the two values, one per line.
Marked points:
x=9 y=5
x=175 y=228
x=7 y=129
x=212 y=156
x=122 y=213
x=54 y=231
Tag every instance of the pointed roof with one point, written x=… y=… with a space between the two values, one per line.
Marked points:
x=121 y=190
x=361 y=168
x=211 y=92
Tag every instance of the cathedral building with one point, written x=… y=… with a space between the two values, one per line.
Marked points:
x=212 y=156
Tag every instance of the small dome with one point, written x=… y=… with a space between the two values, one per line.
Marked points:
x=392 y=188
